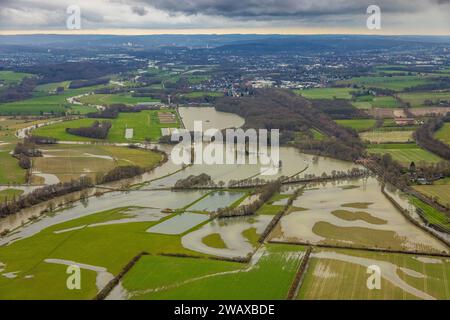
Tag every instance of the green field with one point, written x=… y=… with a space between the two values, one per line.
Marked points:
x=200 y=94
x=11 y=77
x=44 y=102
x=108 y=246
x=443 y=133
x=396 y=83
x=431 y=214
x=405 y=153
x=342 y=274
x=184 y=278
x=108 y=99
x=358 y=124
x=417 y=99
x=326 y=93
x=368 y=102
x=382 y=136
x=146 y=125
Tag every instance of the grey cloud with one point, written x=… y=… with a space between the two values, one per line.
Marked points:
x=139 y=10
x=287 y=8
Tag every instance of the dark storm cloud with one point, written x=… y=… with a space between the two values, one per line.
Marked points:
x=287 y=8
x=26 y=14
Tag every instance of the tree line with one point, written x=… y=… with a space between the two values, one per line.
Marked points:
x=424 y=137
x=98 y=130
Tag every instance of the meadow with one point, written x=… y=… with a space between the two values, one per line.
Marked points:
x=11 y=77
x=115 y=245
x=396 y=83
x=326 y=93
x=200 y=94
x=368 y=102
x=358 y=124
x=184 y=278
x=146 y=126
x=405 y=153
x=342 y=274
x=108 y=99
x=383 y=136
x=439 y=190
x=417 y=99
x=431 y=214
x=443 y=133
x=45 y=101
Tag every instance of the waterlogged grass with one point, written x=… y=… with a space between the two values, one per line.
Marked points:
x=252 y=236
x=69 y=162
x=109 y=246
x=358 y=215
x=339 y=279
x=181 y=278
x=365 y=237
x=214 y=240
x=9 y=194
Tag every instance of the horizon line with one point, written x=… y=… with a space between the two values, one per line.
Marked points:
x=216 y=32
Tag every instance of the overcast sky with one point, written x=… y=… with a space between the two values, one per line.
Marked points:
x=226 y=16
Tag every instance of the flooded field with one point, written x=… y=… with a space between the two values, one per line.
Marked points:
x=232 y=232
x=151 y=199
x=216 y=200
x=342 y=274
x=179 y=224
x=210 y=118
x=332 y=214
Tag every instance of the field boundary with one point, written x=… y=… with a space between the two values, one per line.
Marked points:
x=113 y=283
x=406 y=214
x=280 y=215
x=296 y=283
x=330 y=246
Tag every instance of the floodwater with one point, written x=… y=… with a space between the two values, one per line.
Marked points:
x=230 y=230
x=211 y=119
x=179 y=223
x=321 y=202
x=216 y=200
x=151 y=199
x=292 y=162
x=388 y=271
